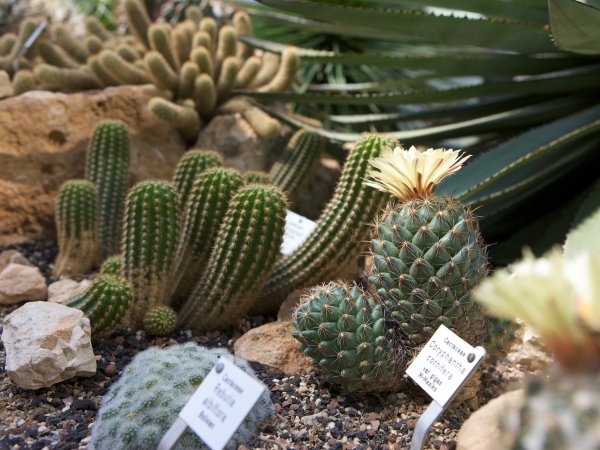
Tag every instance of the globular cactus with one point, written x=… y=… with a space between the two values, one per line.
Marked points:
x=243 y=255
x=56 y=78
x=160 y=321
x=185 y=118
x=257 y=176
x=105 y=302
x=113 y=265
x=142 y=405
x=299 y=157
x=209 y=198
x=150 y=232
x=339 y=236
x=76 y=217
x=107 y=166
x=190 y=166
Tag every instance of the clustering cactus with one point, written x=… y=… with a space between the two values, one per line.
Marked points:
x=150 y=231
x=76 y=227
x=141 y=406
x=105 y=302
x=243 y=255
x=107 y=165
x=192 y=164
x=160 y=321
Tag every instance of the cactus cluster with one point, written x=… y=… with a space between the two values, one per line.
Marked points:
x=199 y=61
x=141 y=406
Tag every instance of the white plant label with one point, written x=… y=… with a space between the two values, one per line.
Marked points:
x=221 y=403
x=443 y=364
x=297 y=229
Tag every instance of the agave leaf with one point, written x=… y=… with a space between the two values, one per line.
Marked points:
x=585 y=234
x=575 y=25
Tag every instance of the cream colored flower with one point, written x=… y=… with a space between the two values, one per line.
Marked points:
x=583 y=272
x=411 y=173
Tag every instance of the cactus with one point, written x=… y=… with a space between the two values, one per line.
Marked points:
x=138 y=20
x=181 y=37
x=107 y=166
x=268 y=69
x=141 y=406
x=263 y=124
x=7 y=42
x=69 y=43
x=205 y=94
x=105 y=302
x=93 y=44
x=340 y=233
x=159 y=36
x=56 y=56
x=113 y=265
x=159 y=70
x=99 y=73
x=183 y=118
x=56 y=78
x=243 y=27
x=23 y=81
x=245 y=250
x=127 y=52
x=283 y=79
x=121 y=69
x=229 y=70
x=249 y=70
x=150 y=232
x=76 y=219
x=205 y=209
x=160 y=321
x=95 y=27
x=299 y=157
x=194 y=13
x=190 y=166
x=257 y=176
x=187 y=79
x=226 y=44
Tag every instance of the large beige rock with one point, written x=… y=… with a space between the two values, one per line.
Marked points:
x=47 y=343
x=20 y=283
x=272 y=345
x=63 y=290
x=44 y=139
x=482 y=432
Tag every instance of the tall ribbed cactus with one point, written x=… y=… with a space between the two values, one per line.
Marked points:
x=107 y=165
x=150 y=231
x=76 y=217
x=204 y=212
x=299 y=156
x=340 y=234
x=190 y=166
x=243 y=255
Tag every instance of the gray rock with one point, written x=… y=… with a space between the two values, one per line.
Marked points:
x=63 y=290
x=19 y=283
x=12 y=256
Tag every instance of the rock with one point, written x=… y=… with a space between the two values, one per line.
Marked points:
x=47 y=343
x=482 y=432
x=20 y=283
x=241 y=147
x=289 y=305
x=316 y=192
x=61 y=291
x=12 y=256
x=272 y=344
x=44 y=139
x=530 y=351
x=6 y=89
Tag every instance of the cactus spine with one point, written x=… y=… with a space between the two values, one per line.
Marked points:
x=113 y=265
x=244 y=253
x=105 y=302
x=339 y=235
x=160 y=321
x=107 y=166
x=190 y=166
x=76 y=219
x=150 y=231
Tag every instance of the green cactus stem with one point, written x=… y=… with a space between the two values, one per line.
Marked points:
x=184 y=118
x=226 y=45
x=99 y=73
x=69 y=43
x=202 y=39
x=248 y=72
x=194 y=13
x=205 y=94
x=93 y=44
x=95 y=27
x=286 y=73
x=257 y=176
x=229 y=70
x=56 y=56
x=268 y=69
x=7 y=42
x=243 y=27
x=193 y=163
x=121 y=69
x=113 y=265
x=138 y=20
x=23 y=81
x=161 y=73
x=160 y=321
x=187 y=79
x=203 y=59
x=127 y=52
x=263 y=124
x=159 y=36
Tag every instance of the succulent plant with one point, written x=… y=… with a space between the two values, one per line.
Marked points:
x=113 y=265
x=76 y=216
x=141 y=406
x=257 y=176
x=105 y=302
x=23 y=81
x=160 y=321
x=190 y=166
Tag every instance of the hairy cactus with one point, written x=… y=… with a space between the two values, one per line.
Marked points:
x=286 y=72
x=190 y=166
x=150 y=231
x=245 y=250
x=121 y=69
x=113 y=265
x=55 y=78
x=299 y=157
x=340 y=233
x=107 y=165
x=184 y=118
x=159 y=70
x=160 y=40
x=138 y=20
x=105 y=302
x=23 y=81
x=76 y=219
x=95 y=27
x=56 y=56
x=69 y=43
x=141 y=406
x=93 y=44
x=160 y=321
x=210 y=195
x=205 y=94
x=257 y=176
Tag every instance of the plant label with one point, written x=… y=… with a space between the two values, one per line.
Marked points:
x=221 y=403
x=297 y=229
x=444 y=364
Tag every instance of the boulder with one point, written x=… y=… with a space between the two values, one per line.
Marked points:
x=47 y=343
x=482 y=430
x=44 y=139
x=272 y=345
x=63 y=290
x=20 y=283
x=530 y=351
x=12 y=256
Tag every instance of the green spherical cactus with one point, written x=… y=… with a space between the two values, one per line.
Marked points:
x=299 y=157
x=107 y=166
x=160 y=321
x=138 y=20
x=23 y=81
x=159 y=36
x=141 y=406
x=150 y=232
x=76 y=217
x=209 y=198
x=243 y=255
x=121 y=69
x=340 y=234
x=113 y=265
x=257 y=176
x=159 y=70
x=184 y=118
x=105 y=302
x=193 y=163
x=345 y=333
x=56 y=78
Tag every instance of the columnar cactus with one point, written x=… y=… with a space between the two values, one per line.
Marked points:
x=150 y=232
x=244 y=252
x=105 y=302
x=76 y=216
x=107 y=165
x=190 y=166
x=160 y=321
